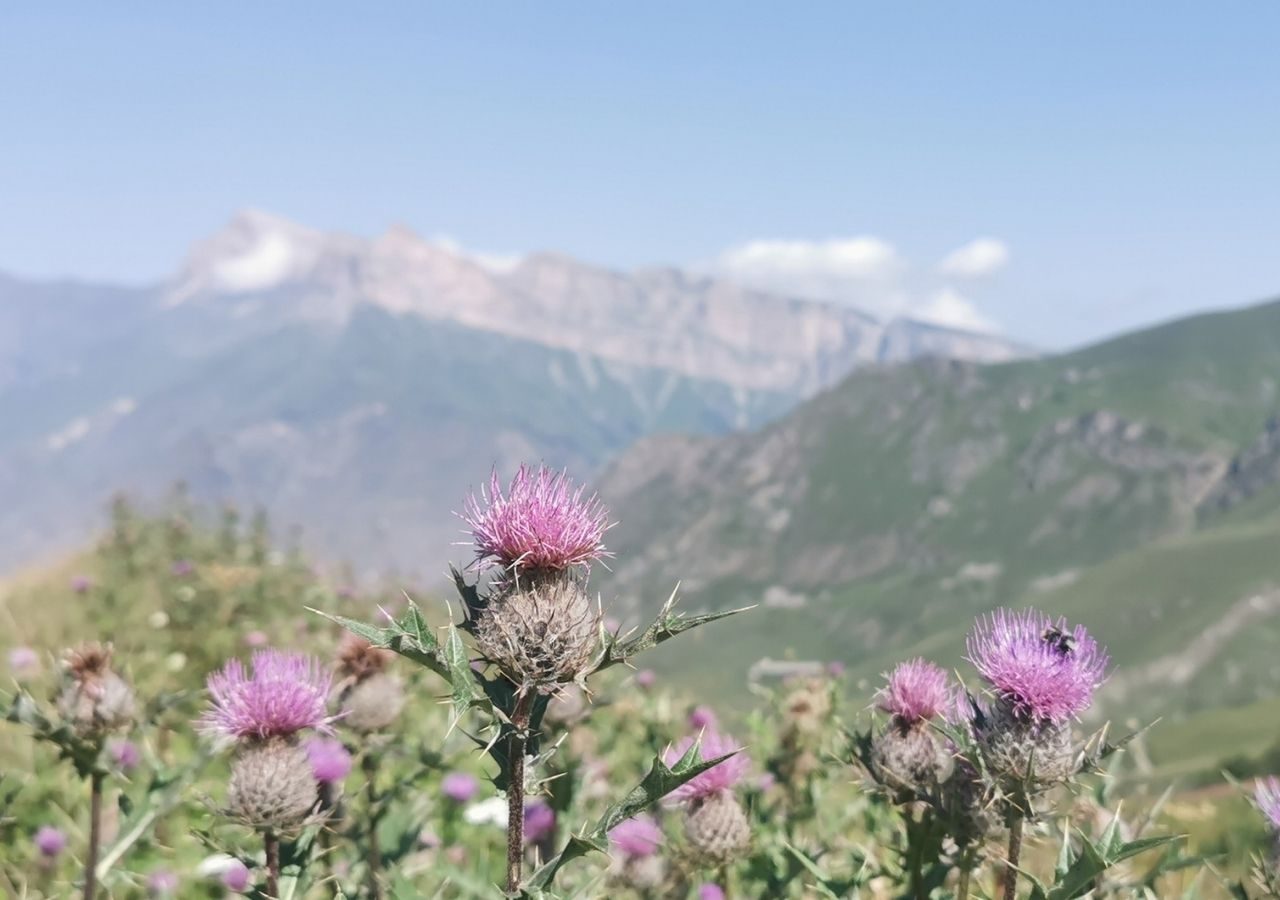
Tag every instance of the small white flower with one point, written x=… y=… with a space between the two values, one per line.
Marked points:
x=214 y=866
x=158 y=619
x=487 y=812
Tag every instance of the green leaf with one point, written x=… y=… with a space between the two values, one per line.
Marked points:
x=295 y=856
x=1142 y=845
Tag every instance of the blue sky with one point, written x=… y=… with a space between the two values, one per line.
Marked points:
x=1119 y=162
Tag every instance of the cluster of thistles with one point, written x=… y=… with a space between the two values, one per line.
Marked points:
x=541 y=533
x=1040 y=673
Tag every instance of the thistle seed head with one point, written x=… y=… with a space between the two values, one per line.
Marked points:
x=1023 y=751
x=540 y=631
x=717 y=827
x=272 y=785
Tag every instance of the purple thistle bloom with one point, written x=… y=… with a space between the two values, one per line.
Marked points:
x=256 y=639
x=637 y=837
x=710 y=891
x=701 y=717
x=286 y=693
x=917 y=691
x=719 y=777
x=645 y=679
x=330 y=761
x=23 y=661
x=835 y=669
x=542 y=521
x=460 y=787
x=235 y=877
x=81 y=583
x=539 y=822
x=50 y=841
x=182 y=568
x=1266 y=794
x=1047 y=671
x=162 y=883
x=124 y=754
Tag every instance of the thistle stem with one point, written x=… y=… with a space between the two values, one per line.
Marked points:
x=271 y=844
x=370 y=766
x=515 y=790
x=95 y=836
x=966 y=872
x=1015 y=853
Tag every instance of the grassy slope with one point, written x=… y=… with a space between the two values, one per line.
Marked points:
x=1149 y=576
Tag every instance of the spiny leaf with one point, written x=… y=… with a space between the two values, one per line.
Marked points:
x=667 y=625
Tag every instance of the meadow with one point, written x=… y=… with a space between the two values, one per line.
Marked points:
x=196 y=710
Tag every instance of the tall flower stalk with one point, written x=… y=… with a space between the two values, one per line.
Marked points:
x=1043 y=674
x=538 y=624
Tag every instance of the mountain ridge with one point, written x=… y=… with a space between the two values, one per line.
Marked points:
x=297 y=367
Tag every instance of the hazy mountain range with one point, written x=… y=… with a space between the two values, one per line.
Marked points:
x=357 y=387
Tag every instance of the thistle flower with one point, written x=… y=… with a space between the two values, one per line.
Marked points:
x=917 y=691
x=23 y=661
x=541 y=522
x=235 y=877
x=636 y=837
x=701 y=717
x=1043 y=675
x=50 y=841
x=636 y=861
x=720 y=777
x=124 y=754
x=459 y=787
x=182 y=568
x=330 y=761
x=1266 y=796
x=1041 y=668
x=646 y=678
x=710 y=891
x=93 y=699
x=539 y=822
x=835 y=669
x=285 y=694
x=162 y=883
x=81 y=584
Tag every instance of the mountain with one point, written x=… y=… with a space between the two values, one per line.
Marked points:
x=1133 y=486
x=357 y=387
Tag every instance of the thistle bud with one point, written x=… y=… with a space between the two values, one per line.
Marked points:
x=717 y=827
x=272 y=785
x=93 y=699
x=370 y=697
x=909 y=755
x=540 y=630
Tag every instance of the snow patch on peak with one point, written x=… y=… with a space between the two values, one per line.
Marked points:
x=264 y=265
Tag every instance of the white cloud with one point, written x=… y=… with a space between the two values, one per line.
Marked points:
x=867 y=273
x=860 y=271
x=977 y=259
x=951 y=309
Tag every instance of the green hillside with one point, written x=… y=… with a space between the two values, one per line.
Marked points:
x=1131 y=486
